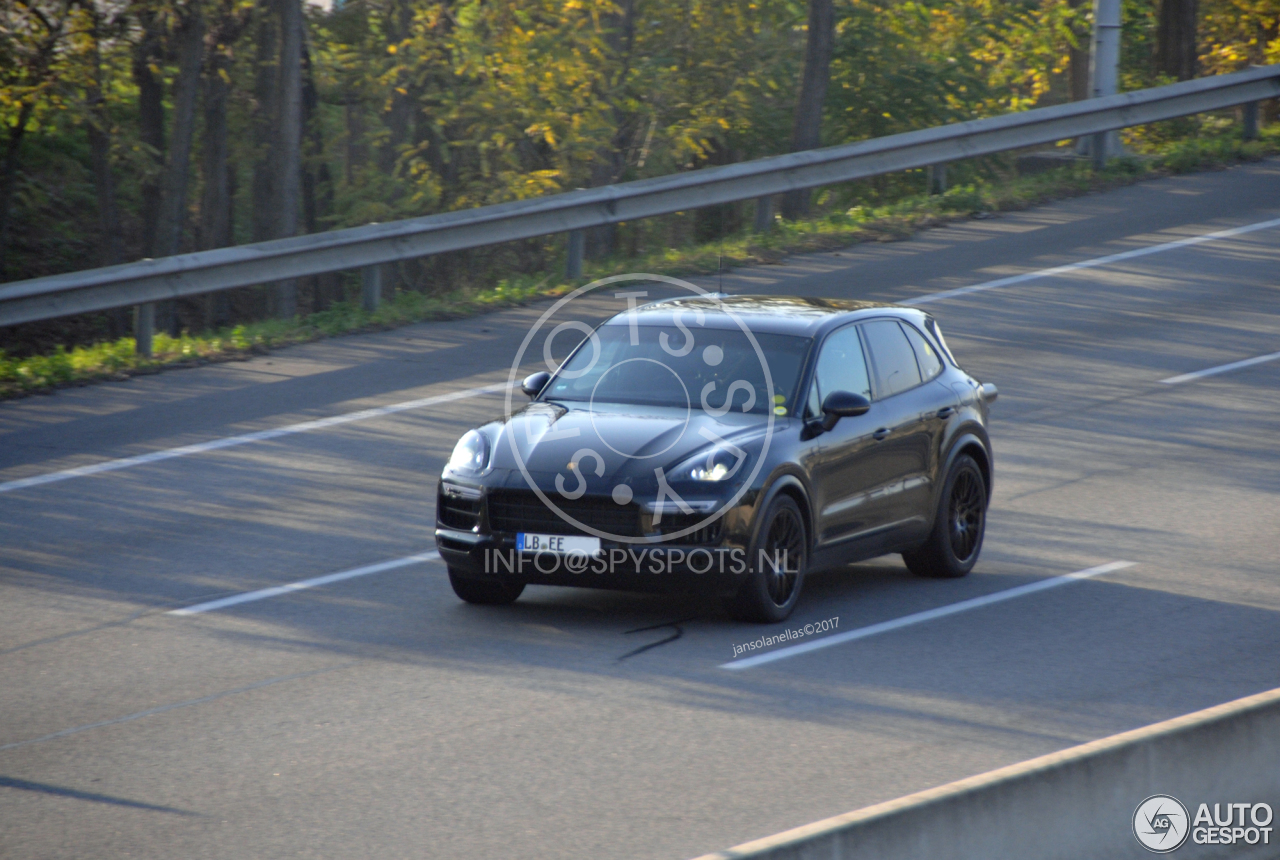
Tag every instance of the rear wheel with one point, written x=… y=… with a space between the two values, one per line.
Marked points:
x=488 y=592
x=956 y=540
x=779 y=556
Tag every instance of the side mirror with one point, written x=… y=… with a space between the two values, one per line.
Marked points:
x=842 y=404
x=535 y=382
x=989 y=392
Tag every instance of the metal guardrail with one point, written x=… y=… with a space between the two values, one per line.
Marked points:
x=1076 y=803
x=360 y=247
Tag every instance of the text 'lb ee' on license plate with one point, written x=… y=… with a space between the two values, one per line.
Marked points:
x=562 y=544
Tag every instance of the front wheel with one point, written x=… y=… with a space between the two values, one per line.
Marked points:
x=488 y=592
x=952 y=548
x=776 y=568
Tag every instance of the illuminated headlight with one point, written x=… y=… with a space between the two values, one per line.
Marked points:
x=717 y=472
x=720 y=464
x=471 y=454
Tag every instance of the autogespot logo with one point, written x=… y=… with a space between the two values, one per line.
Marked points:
x=1160 y=823
x=688 y=360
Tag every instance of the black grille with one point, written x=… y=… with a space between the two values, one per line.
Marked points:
x=522 y=511
x=459 y=513
x=708 y=535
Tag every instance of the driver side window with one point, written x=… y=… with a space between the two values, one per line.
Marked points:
x=841 y=367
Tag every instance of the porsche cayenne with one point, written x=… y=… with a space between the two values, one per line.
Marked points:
x=727 y=444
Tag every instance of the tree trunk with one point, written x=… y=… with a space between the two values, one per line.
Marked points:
x=1176 y=39
x=288 y=148
x=215 y=203
x=146 y=55
x=9 y=175
x=807 y=131
x=266 y=65
x=186 y=88
x=111 y=249
x=317 y=185
x=1078 y=58
x=171 y=210
x=104 y=182
x=314 y=146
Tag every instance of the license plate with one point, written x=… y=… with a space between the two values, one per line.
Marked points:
x=559 y=544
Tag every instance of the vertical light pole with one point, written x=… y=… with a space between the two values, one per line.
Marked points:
x=1104 y=67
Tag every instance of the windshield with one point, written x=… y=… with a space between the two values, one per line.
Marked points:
x=707 y=368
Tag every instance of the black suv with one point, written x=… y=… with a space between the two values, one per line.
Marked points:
x=726 y=443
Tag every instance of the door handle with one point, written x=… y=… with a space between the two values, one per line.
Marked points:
x=946 y=412
x=881 y=434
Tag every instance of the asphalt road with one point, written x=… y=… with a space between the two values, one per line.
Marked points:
x=379 y=716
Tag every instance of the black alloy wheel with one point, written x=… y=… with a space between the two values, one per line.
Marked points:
x=952 y=548
x=776 y=566
x=967 y=514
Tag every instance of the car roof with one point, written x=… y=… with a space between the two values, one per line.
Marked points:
x=793 y=315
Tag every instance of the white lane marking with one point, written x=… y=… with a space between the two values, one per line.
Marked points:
x=927 y=615
x=161 y=709
x=1222 y=368
x=244 y=439
x=276 y=591
x=1094 y=263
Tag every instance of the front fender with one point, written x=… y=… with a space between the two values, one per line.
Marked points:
x=787 y=479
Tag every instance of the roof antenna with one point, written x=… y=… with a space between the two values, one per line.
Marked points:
x=720 y=274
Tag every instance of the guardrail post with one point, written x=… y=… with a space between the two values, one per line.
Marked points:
x=285 y=298
x=764 y=214
x=371 y=287
x=937 y=179
x=1099 y=146
x=573 y=262
x=1251 y=121
x=144 y=326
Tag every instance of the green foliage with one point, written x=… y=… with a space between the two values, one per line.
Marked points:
x=417 y=107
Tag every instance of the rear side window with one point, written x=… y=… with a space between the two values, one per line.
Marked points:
x=932 y=325
x=926 y=356
x=841 y=366
x=892 y=358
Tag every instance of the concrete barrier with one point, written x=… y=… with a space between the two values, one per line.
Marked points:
x=1077 y=804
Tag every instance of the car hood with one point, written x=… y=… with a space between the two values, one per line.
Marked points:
x=631 y=443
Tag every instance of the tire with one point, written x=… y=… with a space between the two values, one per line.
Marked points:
x=952 y=548
x=770 y=595
x=486 y=592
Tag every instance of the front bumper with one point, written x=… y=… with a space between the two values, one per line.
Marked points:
x=479 y=539
x=636 y=567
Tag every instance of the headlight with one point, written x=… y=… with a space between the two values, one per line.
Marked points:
x=471 y=454
x=720 y=464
